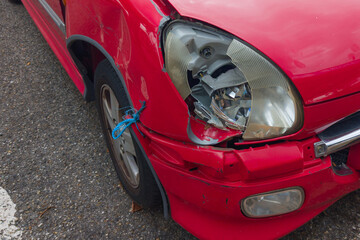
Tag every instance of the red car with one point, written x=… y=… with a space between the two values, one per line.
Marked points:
x=240 y=117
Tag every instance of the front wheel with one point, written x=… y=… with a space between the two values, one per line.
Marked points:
x=128 y=159
x=15 y=1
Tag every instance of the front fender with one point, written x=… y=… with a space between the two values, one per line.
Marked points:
x=131 y=37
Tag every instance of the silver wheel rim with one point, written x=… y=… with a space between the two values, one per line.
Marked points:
x=123 y=147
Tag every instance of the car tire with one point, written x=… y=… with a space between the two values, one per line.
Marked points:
x=15 y=1
x=128 y=159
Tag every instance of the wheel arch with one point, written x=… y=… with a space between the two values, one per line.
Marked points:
x=77 y=46
x=86 y=54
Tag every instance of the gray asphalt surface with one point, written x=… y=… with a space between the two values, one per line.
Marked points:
x=54 y=162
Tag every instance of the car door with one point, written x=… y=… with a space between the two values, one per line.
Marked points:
x=52 y=13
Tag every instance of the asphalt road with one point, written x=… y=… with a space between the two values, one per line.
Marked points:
x=54 y=162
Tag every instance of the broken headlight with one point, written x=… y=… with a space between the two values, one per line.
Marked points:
x=232 y=85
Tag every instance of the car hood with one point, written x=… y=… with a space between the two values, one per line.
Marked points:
x=316 y=43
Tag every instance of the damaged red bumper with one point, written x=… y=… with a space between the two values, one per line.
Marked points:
x=206 y=185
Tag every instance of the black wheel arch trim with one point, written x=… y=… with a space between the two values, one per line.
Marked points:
x=69 y=43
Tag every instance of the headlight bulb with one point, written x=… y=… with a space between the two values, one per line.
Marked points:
x=233 y=105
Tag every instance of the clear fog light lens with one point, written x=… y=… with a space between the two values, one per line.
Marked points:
x=273 y=203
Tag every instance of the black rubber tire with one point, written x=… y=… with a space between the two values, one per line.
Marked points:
x=147 y=194
x=15 y=1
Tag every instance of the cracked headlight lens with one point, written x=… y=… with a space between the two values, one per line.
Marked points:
x=234 y=87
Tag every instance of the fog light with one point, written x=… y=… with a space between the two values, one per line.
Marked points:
x=273 y=203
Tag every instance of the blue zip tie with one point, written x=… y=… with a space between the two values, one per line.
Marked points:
x=122 y=126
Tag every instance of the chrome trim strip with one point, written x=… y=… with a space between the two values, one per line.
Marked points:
x=339 y=136
x=54 y=16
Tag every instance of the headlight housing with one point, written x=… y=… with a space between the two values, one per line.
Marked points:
x=233 y=86
x=273 y=203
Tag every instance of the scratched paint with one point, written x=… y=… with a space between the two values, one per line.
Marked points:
x=8 y=229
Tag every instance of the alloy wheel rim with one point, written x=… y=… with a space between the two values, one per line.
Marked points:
x=123 y=147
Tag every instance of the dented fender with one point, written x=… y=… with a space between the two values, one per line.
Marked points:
x=133 y=41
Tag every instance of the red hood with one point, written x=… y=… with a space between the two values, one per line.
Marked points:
x=317 y=43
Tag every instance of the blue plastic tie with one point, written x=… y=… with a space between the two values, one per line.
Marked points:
x=122 y=126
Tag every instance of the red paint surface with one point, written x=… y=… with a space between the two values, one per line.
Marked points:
x=131 y=37
x=354 y=157
x=314 y=43
x=209 y=205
